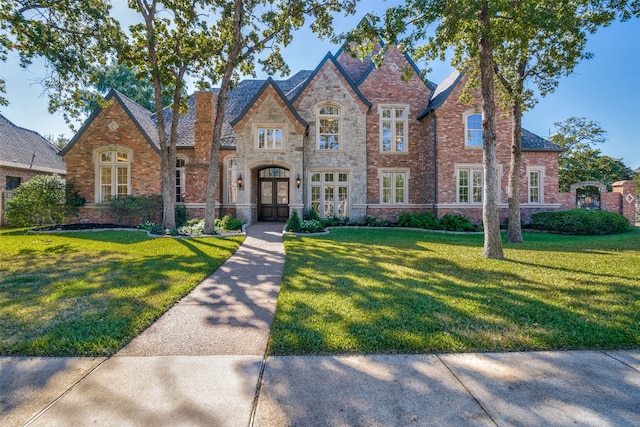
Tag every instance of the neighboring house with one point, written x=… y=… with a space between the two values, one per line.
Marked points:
x=346 y=139
x=23 y=155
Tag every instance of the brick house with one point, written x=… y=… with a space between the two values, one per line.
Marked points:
x=23 y=155
x=346 y=139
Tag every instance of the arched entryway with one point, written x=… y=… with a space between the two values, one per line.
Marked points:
x=273 y=194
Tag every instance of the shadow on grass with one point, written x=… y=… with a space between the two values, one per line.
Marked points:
x=373 y=293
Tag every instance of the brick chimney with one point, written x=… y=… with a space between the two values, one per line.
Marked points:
x=205 y=113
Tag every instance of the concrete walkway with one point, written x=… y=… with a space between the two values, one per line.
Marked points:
x=200 y=364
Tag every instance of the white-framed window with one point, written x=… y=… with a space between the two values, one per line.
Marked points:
x=469 y=185
x=329 y=193
x=113 y=174
x=473 y=129
x=393 y=187
x=232 y=180
x=535 y=179
x=180 y=179
x=329 y=127
x=269 y=138
x=394 y=129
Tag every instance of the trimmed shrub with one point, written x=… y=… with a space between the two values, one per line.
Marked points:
x=455 y=222
x=228 y=223
x=310 y=214
x=181 y=215
x=40 y=200
x=579 y=221
x=126 y=209
x=421 y=220
x=311 y=226
x=293 y=223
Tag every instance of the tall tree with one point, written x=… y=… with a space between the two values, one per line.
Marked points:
x=246 y=29
x=581 y=161
x=463 y=28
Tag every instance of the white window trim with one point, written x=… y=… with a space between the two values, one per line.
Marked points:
x=336 y=184
x=465 y=115
x=393 y=186
x=393 y=120
x=269 y=126
x=541 y=174
x=473 y=166
x=340 y=126
x=98 y=164
x=183 y=176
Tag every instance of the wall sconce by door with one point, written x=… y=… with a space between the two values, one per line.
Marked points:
x=239 y=182
x=298 y=181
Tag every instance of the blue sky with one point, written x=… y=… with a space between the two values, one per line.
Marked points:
x=605 y=89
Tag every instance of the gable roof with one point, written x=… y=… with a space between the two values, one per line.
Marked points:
x=533 y=142
x=329 y=58
x=441 y=93
x=270 y=83
x=26 y=149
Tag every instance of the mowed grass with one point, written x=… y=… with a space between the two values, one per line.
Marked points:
x=90 y=293
x=394 y=291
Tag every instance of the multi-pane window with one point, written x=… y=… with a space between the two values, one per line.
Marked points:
x=534 y=187
x=180 y=179
x=232 y=180
x=393 y=188
x=329 y=128
x=113 y=175
x=473 y=130
x=12 y=182
x=469 y=185
x=270 y=138
x=330 y=193
x=393 y=129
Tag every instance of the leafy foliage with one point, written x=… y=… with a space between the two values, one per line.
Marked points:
x=130 y=209
x=582 y=162
x=293 y=223
x=421 y=220
x=73 y=201
x=579 y=221
x=228 y=223
x=40 y=200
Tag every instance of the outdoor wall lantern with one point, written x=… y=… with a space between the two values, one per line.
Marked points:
x=298 y=181
x=239 y=181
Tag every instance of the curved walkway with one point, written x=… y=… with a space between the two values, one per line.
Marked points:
x=202 y=364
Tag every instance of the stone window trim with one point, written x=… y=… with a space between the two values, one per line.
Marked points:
x=472 y=168
x=396 y=124
x=475 y=132
x=100 y=163
x=535 y=190
x=329 y=122
x=273 y=137
x=181 y=176
x=394 y=172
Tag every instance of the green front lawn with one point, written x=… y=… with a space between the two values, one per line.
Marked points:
x=89 y=293
x=393 y=291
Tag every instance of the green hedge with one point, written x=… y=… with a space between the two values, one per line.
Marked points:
x=579 y=221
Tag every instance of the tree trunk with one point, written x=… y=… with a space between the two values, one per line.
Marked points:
x=212 y=185
x=514 y=232
x=490 y=215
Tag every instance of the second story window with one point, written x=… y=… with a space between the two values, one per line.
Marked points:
x=270 y=138
x=473 y=130
x=329 y=128
x=393 y=129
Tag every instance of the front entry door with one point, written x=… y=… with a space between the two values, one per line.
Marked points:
x=274 y=199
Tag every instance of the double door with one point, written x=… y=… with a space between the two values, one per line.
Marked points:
x=273 y=200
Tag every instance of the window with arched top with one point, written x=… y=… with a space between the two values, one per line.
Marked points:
x=180 y=179
x=232 y=180
x=113 y=173
x=329 y=127
x=473 y=129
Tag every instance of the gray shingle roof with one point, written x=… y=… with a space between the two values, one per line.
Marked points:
x=26 y=149
x=533 y=142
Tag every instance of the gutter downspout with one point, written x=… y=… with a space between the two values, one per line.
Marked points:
x=435 y=165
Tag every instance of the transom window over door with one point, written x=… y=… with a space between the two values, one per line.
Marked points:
x=330 y=193
x=113 y=174
x=329 y=127
x=393 y=129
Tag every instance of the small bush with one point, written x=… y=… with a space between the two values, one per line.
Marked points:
x=311 y=226
x=181 y=215
x=194 y=227
x=73 y=201
x=293 y=223
x=40 y=200
x=579 y=221
x=126 y=209
x=228 y=223
x=151 y=227
x=370 y=221
x=455 y=222
x=310 y=215
x=421 y=220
